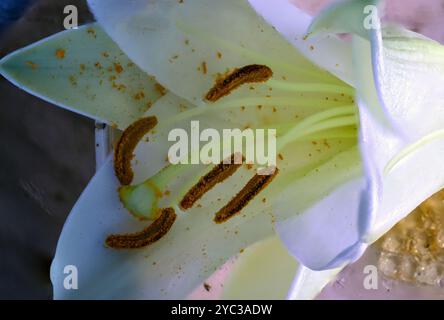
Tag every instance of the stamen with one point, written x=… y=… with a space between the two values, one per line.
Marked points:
x=251 y=190
x=217 y=175
x=126 y=145
x=249 y=74
x=147 y=236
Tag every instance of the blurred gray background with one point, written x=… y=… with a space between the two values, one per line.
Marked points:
x=47 y=158
x=47 y=154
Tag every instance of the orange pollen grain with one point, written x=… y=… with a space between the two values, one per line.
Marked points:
x=160 y=89
x=118 y=67
x=60 y=53
x=33 y=65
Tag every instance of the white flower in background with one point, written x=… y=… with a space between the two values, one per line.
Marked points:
x=359 y=131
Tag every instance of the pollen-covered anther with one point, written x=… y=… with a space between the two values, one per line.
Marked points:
x=126 y=145
x=217 y=175
x=248 y=192
x=254 y=73
x=147 y=236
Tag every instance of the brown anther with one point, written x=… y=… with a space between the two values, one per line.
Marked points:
x=251 y=190
x=147 y=236
x=217 y=175
x=249 y=74
x=126 y=145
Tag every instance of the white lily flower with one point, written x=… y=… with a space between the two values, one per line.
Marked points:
x=333 y=195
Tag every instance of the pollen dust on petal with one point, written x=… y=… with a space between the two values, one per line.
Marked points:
x=60 y=53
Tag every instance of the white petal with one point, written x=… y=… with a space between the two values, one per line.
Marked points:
x=403 y=64
x=350 y=16
x=398 y=76
x=171 y=40
x=328 y=53
x=412 y=80
x=320 y=217
x=416 y=178
x=403 y=153
x=263 y=271
x=86 y=77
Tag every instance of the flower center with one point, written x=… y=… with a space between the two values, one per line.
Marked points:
x=141 y=200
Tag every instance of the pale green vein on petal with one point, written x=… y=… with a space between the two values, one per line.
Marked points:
x=320 y=121
x=439 y=134
x=91 y=76
x=311 y=87
x=254 y=102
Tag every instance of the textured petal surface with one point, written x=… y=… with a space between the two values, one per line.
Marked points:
x=186 y=52
x=83 y=71
x=263 y=271
x=324 y=205
x=293 y=24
